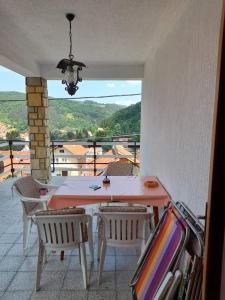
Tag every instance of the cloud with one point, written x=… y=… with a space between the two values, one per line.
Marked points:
x=133 y=82
x=111 y=85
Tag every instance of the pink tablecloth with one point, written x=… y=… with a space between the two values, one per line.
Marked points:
x=75 y=191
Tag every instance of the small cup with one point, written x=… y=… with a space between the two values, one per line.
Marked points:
x=43 y=191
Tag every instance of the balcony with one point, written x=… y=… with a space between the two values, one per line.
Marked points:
x=165 y=46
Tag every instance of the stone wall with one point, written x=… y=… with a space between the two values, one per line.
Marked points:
x=37 y=109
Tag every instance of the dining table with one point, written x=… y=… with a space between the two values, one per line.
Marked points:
x=79 y=191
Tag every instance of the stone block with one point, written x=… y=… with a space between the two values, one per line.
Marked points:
x=38 y=122
x=30 y=89
x=42 y=113
x=45 y=102
x=41 y=143
x=41 y=152
x=43 y=129
x=31 y=122
x=41 y=174
x=37 y=174
x=33 y=144
x=47 y=163
x=30 y=109
x=45 y=94
x=32 y=116
x=44 y=82
x=35 y=164
x=42 y=166
x=34 y=81
x=48 y=152
x=39 y=89
x=33 y=129
x=34 y=99
x=39 y=137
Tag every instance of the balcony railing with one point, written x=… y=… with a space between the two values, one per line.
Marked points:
x=67 y=160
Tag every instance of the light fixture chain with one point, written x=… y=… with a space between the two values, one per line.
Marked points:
x=71 y=42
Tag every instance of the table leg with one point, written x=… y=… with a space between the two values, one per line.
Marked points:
x=156 y=215
x=62 y=255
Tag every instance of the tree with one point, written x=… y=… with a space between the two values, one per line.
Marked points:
x=13 y=134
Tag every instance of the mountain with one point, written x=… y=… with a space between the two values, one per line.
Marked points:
x=124 y=121
x=70 y=119
x=64 y=115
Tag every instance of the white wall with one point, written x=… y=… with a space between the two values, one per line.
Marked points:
x=177 y=106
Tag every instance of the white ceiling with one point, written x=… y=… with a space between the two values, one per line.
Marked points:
x=112 y=37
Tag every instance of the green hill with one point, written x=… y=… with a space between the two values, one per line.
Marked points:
x=64 y=115
x=70 y=119
x=124 y=121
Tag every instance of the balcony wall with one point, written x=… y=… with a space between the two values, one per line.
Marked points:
x=178 y=102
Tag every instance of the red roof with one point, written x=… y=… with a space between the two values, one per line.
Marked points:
x=76 y=149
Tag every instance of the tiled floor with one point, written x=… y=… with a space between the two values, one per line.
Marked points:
x=60 y=279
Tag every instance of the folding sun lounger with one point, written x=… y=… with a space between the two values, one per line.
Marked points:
x=164 y=254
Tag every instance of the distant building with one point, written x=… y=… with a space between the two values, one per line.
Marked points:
x=69 y=157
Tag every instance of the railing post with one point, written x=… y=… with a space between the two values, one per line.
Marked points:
x=11 y=157
x=94 y=146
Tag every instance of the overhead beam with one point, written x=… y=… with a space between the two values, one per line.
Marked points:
x=99 y=72
x=27 y=69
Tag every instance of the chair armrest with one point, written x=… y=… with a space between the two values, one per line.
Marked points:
x=40 y=200
x=48 y=186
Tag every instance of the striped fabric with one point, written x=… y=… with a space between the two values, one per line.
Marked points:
x=160 y=257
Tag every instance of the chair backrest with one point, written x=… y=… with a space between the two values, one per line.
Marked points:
x=123 y=227
x=119 y=169
x=160 y=254
x=27 y=187
x=62 y=231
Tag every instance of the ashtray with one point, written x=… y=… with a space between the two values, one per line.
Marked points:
x=151 y=184
x=106 y=180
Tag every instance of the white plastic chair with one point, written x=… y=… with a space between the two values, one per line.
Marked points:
x=63 y=232
x=118 y=168
x=28 y=190
x=121 y=229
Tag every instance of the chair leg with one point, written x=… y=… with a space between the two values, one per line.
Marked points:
x=39 y=265
x=90 y=241
x=62 y=255
x=79 y=254
x=99 y=249
x=84 y=264
x=45 y=257
x=102 y=260
x=26 y=232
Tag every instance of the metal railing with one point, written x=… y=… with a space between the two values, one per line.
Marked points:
x=15 y=157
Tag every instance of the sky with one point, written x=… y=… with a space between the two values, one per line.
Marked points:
x=11 y=81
